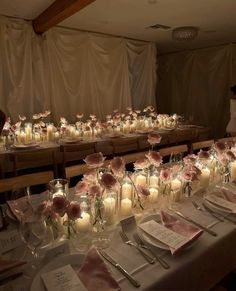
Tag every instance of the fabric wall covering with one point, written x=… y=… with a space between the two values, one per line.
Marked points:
x=196 y=84
x=72 y=72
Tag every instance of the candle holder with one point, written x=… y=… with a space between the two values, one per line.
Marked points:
x=110 y=206
x=58 y=187
x=126 y=197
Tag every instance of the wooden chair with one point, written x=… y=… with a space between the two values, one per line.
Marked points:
x=124 y=145
x=34 y=160
x=14 y=183
x=73 y=154
x=174 y=152
x=226 y=139
x=206 y=144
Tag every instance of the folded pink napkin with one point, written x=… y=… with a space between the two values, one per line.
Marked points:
x=6 y=265
x=22 y=207
x=229 y=195
x=95 y=275
x=188 y=230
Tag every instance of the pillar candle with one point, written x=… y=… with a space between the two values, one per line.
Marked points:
x=140 y=180
x=126 y=207
x=153 y=182
x=175 y=184
x=153 y=197
x=50 y=133
x=205 y=178
x=126 y=190
x=109 y=209
x=233 y=171
x=83 y=223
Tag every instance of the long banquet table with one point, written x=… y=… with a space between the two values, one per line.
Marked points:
x=187 y=134
x=198 y=267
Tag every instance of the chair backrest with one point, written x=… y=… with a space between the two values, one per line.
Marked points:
x=202 y=144
x=225 y=139
x=34 y=159
x=9 y=184
x=124 y=145
x=174 y=150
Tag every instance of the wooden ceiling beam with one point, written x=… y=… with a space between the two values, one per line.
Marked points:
x=57 y=12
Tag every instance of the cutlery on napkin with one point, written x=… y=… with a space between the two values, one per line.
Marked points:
x=95 y=275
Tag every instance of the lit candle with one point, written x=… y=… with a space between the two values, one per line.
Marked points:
x=140 y=180
x=175 y=184
x=83 y=223
x=205 y=178
x=109 y=209
x=126 y=190
x=153 y=181
x=37 y=136
x=233 y=171
x=22 y=137
x=153 y=197
x=126 y=207
x=50 y=132
x=28 y=132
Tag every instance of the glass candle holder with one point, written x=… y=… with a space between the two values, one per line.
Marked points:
x=110 y=206
x=140 y=178
x=59 y=187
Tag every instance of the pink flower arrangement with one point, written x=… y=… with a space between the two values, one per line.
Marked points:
x=73 y=211
x=95 y=160
x=45 y=209
x=95 y=191
x=190 y=159
x=203 y=155
x=108 y=181
x=59 y=205
x=222 y=159
x=189 y=174
x=90 y=176
x=154 y=158
x=118 y=166
x=230 y=155
x=81 y=187
x=219 y=147
x=141 y=164
x=154 y=138
x=165 y=175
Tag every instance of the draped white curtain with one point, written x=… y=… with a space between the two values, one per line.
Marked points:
x=72 y=72
x=196 y=84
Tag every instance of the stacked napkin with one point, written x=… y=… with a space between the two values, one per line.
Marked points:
x=189 y=231
x=229 y=195
x=95 y=275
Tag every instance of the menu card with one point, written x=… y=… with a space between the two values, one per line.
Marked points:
x=163 y=234
x=62 y=279
x=221 y=202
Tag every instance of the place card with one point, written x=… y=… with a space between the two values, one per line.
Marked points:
x=9 y=240
x=58 y=250
x=62 y=279
x=221 y=202
x=163 y=234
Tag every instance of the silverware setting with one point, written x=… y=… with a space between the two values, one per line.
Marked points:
x=132 y=280
x=204 y=208
x=211 y=232
x=142 y=244
x=127 y=241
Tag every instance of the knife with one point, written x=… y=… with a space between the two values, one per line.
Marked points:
x=196 y=223
x=133 y=281
x=216 y=215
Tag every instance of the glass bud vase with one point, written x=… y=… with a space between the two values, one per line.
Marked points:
x=59 y=187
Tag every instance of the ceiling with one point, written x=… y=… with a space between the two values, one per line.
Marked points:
x=131 y=18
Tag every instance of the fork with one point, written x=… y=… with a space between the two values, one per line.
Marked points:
x=140 y=242
x=198 y=207
x=127 y=241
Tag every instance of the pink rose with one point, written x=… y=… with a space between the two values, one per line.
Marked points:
x=81 y=187
x=45 y=209
x=108 y=181
x=143 y=190
x=203 y=155
x=219 y=147
x=95 y=191
x=59 y=204
x=230 y=155
x=73 y=210
x=154 y=158
x=165 y=175
x=222 y=159
x=118 y=166
x=95 y=160
x=190 y=159
x=90 y=176
x=154 y=138
x=141 y=164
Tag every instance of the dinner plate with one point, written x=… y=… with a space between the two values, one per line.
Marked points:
x=144 y=131
x=24 y=146
x=113 y=135
x=75 y=260
x=147 y=238
x=216 y=207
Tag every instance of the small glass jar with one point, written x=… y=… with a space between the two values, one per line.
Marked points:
x=59 y=187
x=110 y=206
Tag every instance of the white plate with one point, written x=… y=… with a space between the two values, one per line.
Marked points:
x=216 y=207
x=147 y=238
x=70 y=140
x=75 y=260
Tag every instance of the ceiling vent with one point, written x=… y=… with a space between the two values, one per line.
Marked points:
x=185 y=33
x=159 y=26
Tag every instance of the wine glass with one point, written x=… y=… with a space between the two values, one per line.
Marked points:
x=33 y=231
